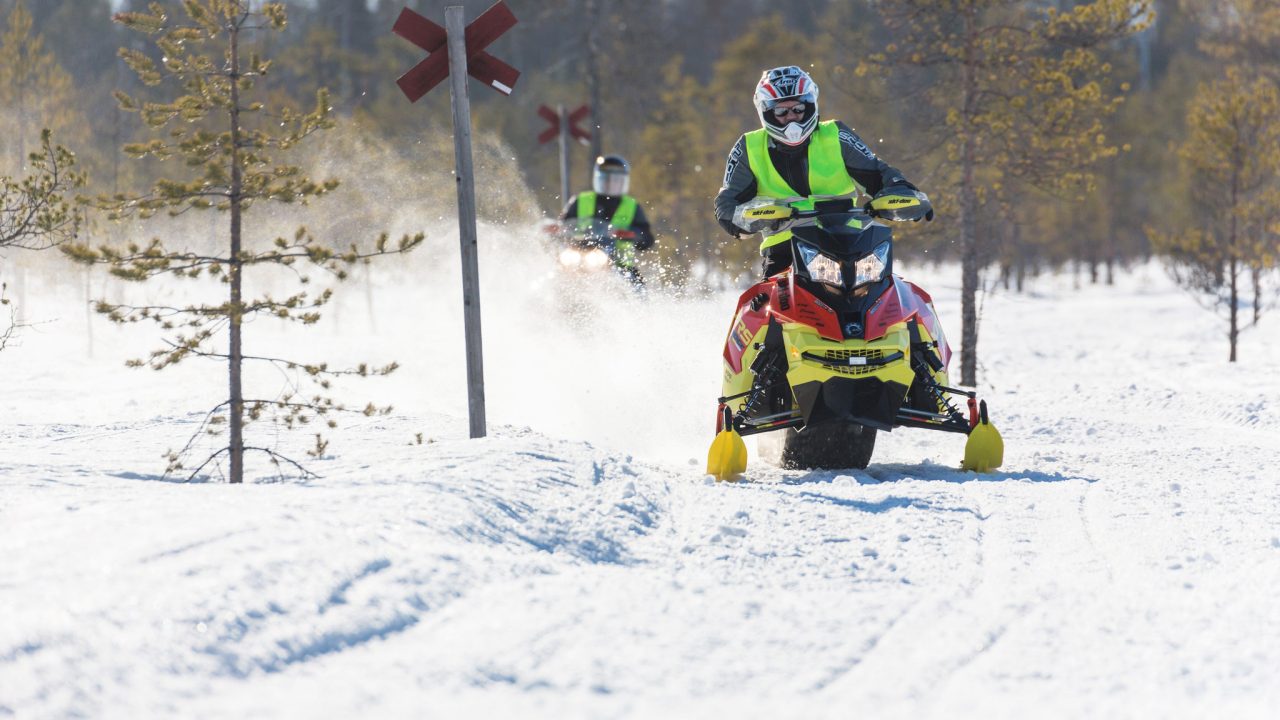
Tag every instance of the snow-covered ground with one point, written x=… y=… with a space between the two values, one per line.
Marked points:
x=577 y=563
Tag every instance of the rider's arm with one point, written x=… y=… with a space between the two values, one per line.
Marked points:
x=864 y=167
x=739 y=186
x=640 y=226
x=570 y=209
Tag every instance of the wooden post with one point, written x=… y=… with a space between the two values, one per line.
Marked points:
x=593 y=77
x=455 y=26
x=564 y=155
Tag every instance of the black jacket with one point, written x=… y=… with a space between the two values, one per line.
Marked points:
x=606 y=206
x=792 y=164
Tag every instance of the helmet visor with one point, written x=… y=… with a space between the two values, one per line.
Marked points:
x=780 y=112
x=610 y=181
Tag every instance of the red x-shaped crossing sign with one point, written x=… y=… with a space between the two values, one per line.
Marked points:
x=481 y=33
x=574 y=118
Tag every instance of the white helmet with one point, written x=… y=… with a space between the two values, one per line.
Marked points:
x=787 y=83
x=612 y=176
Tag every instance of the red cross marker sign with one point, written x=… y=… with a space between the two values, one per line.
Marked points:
x=481 y=33
x=456 y=51
x=551 y=116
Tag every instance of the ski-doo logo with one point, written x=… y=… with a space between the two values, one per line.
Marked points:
x=848 y=138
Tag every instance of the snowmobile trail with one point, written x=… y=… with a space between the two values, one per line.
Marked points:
x=577 y=563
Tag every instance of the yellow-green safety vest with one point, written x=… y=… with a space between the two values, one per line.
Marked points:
x=624 y=251
x=827 y=174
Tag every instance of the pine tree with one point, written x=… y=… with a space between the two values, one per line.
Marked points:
x=35 y=212
x=1239 y=30
x=1019 y=95
x=34 y=87
x=227 y=141
x=1232 y=153
x=1246 y=33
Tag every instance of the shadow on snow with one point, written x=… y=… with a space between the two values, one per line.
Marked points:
x=928 y=471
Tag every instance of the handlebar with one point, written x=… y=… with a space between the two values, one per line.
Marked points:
x=569 y=230
x=827 y=207
x=779 y=214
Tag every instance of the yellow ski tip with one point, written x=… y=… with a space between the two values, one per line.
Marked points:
x=727 y=458
x=984 y=450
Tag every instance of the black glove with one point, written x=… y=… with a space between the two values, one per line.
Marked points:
x=928 y=217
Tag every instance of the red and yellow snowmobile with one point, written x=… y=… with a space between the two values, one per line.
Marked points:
x=837 y=347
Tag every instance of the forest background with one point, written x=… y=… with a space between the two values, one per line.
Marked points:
x=670 y=82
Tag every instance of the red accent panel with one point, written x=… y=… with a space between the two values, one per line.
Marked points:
x=753 y=320
x=809 y=310
x=899 y=303
x=548 y=135
x=885 y=313
x=579 y=114
x=922 y=305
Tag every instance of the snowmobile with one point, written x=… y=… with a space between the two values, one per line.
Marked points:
x=836 y=347
x=595 y=247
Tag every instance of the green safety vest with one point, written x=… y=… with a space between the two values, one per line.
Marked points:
x=624 y=251
x=827 y=174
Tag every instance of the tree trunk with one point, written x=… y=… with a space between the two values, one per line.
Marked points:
x=20 y=280
x=1233 y=267
x=368 y=297
x=1255 y=274
x=968 y=221
x=88 y=311
x=235 y=311
x=1234 y=333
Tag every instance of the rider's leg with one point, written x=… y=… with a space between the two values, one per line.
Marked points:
x=776 y=259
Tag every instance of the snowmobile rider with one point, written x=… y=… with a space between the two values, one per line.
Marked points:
x=795 y=156
x=608 y=201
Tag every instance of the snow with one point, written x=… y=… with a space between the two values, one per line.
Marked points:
x=577 y=563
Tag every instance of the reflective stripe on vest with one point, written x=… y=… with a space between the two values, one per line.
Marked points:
x=622 y=217
x=827 y=174
x=624 y=251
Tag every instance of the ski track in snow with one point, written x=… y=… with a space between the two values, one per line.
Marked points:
x=1123 y=563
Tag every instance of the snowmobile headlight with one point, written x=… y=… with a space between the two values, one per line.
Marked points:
x=570 y=257
x=595 y=258
x=870 y=268
x=822 y=268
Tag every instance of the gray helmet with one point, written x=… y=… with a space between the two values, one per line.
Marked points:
x=612 y=176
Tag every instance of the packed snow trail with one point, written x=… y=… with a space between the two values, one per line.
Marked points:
x=577 y=563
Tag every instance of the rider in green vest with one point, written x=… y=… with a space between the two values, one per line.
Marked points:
x=607 y=207
x=796 y=156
